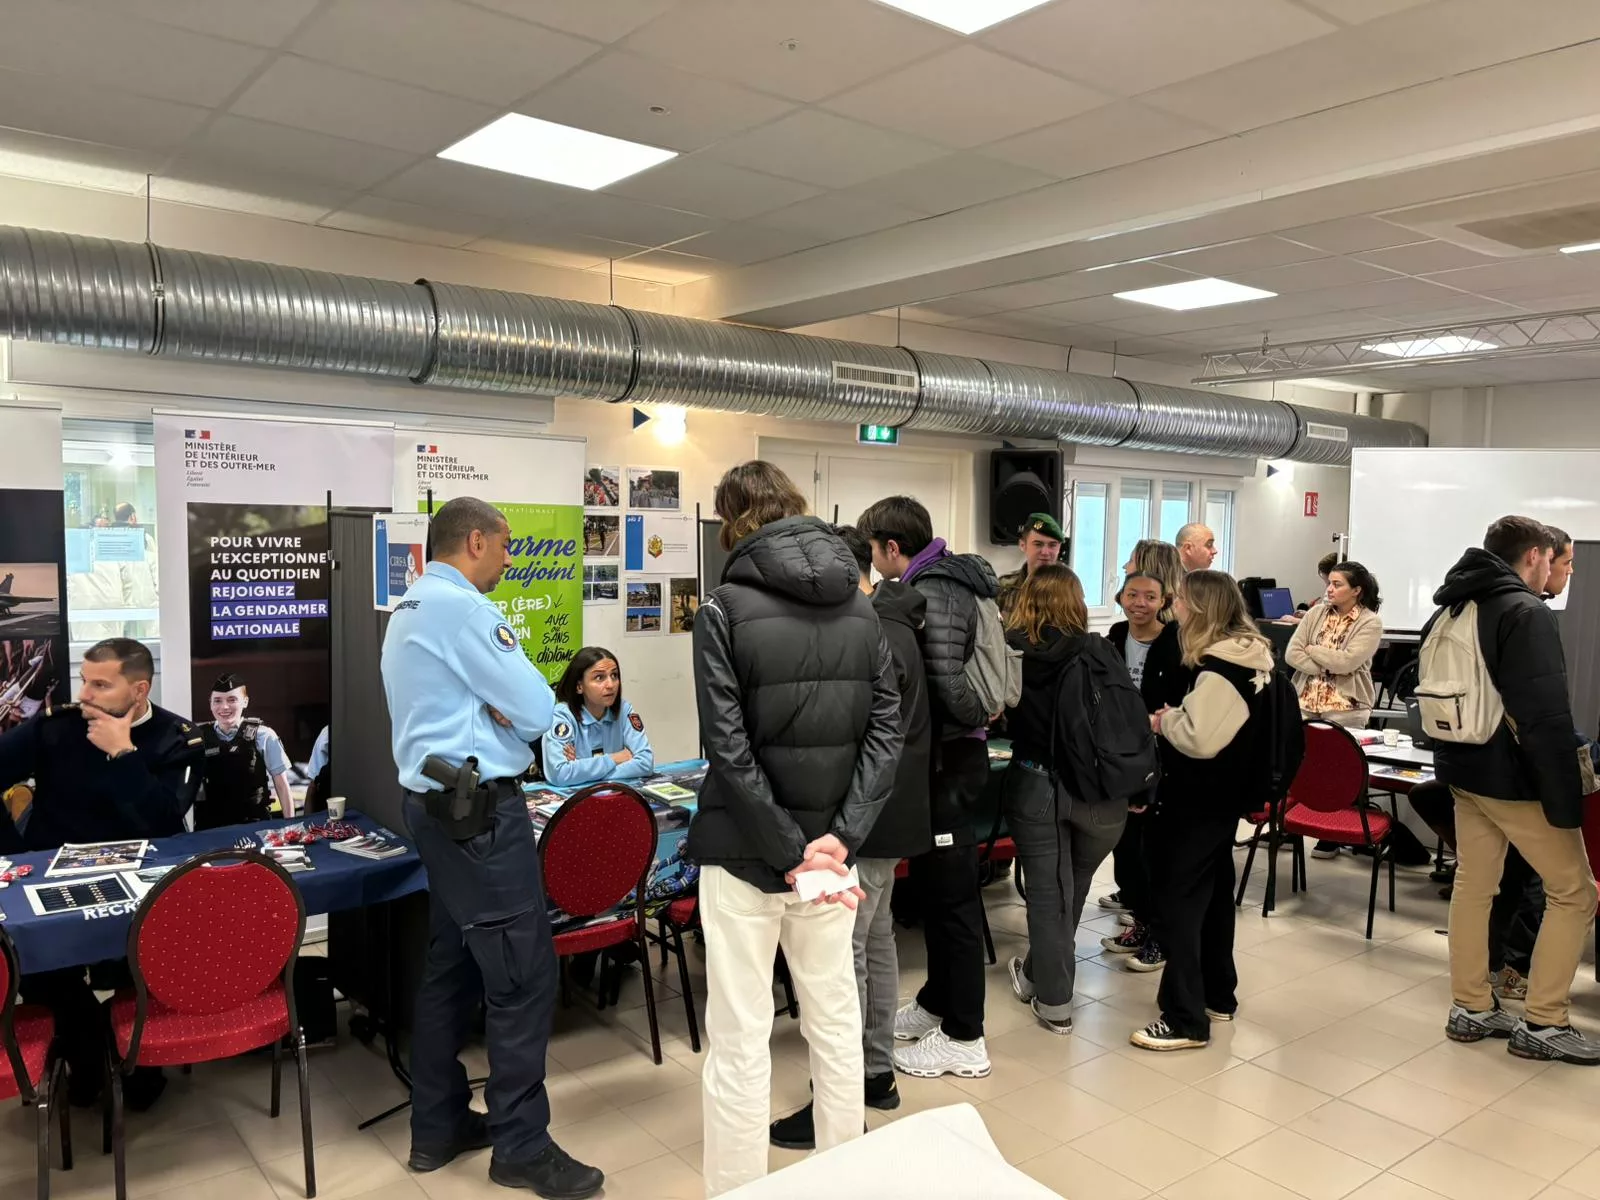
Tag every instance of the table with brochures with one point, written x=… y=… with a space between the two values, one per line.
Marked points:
x=80 y=934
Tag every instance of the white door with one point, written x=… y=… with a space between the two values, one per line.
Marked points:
x=852 y=482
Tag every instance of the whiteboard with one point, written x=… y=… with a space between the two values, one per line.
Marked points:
x=1412 y=512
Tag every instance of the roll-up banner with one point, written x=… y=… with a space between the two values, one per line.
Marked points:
x=250 y=597
x=34 y=664
x=539 y=484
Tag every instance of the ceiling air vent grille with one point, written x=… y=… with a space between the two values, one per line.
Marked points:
x=885 y=379
x=1327 y=433
x=1541 y=230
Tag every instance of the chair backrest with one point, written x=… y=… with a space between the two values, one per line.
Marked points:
x=10 y=978
x=599 y=846
x=216 y=933
x=1333 y=774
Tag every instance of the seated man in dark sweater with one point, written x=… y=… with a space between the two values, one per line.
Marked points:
x=110 y=767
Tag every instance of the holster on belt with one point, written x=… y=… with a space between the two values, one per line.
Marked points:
x=465 y=808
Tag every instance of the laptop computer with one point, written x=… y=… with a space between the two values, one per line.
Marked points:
x=1276 y=603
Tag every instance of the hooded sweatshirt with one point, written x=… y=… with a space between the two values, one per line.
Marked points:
x=1214 y=730
x=952 y=584
x=1031 y=723
x=799 y=713
x=1531 y=756
x=904 y=828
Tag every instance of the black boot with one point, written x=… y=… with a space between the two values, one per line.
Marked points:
x=473 y=1135
x=552 y=1173
x=797 y=1131
x=882 y=1093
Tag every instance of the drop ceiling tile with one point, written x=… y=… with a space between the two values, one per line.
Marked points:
x=837 y=44
x=666 y=266
x=1249 y=254
x=1079 y=285
x=121 y=52
x=1136 y=45
x=1086 y=312
x=1456 y=36
x=1558 y=272
x=613 y=94
x=308 y=95
x=1357 y=12
x=67 y=107
x=838 y=215
x=965 y=97
x=451 y=186
x=1351 y=236
x=573 y=250
x=1013 y=326
x=384 y=217
x=824 y=149
x=75 y=163
x=967 y=304
x=1113 y=136
x=600 y=214
x=1306 y=78
x=237 y=20
x=744 y=243
x=1314 y=275
x=699 y=184
x=1426 y=258
x=952 y=183
x=263 y=146
x=448 y=47
x=922 y=314
x=601 y=20
x=235 y=190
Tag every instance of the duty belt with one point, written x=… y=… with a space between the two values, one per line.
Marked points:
x=466 y=806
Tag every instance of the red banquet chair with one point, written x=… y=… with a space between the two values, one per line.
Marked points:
x=1327 y=802
x=212 y=952
x=29 y=1067
x=599 y=847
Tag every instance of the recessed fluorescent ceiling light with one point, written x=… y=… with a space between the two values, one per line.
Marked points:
x=1195 y=293
x=964 y=16
x=1429 y=347
x=1584 y=248
x=556 y=153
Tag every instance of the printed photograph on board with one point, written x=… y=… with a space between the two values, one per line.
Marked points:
x=602 y=536
x=33 y=584
x=685 y=603
x=654 y=488
x=600 y=584
x=602 y=487
x=28 y=671
x=644 y=606
x=30 y=599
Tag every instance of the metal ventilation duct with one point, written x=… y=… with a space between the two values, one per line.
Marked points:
x=126 y=296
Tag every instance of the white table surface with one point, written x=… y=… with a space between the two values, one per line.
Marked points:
x=1399 y=756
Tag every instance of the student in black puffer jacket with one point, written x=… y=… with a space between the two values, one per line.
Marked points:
x=800 y=720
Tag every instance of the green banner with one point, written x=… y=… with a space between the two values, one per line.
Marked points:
x=541 y=592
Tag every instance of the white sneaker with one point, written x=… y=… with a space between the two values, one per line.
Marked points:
x=1020 y=985
x=913 y=1022
x=936 y=1055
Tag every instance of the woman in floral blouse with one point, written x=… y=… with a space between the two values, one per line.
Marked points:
x=1332 y=649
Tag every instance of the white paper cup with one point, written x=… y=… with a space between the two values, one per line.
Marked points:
x=336 y=808
x=1391 y=738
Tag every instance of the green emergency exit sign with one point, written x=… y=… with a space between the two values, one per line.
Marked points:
x=878 y=435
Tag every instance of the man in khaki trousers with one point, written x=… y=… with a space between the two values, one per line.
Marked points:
x=1521 y=788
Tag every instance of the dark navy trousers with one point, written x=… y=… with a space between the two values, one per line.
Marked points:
x=489 y=940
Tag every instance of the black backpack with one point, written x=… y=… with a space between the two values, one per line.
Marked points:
x=1102 y=728
x=1285 y=737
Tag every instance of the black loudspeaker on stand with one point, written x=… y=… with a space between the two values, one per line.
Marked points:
x=1021 y=483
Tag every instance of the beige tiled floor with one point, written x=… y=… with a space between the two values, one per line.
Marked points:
x=1336 y=1082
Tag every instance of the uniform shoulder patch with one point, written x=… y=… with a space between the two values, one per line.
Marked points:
x=504 y=638
x=636 y=721
x=561 y=730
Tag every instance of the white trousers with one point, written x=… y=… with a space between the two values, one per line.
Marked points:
x=743 y=929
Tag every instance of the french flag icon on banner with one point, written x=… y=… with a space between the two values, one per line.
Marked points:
x=199 y=435
x=427 y=449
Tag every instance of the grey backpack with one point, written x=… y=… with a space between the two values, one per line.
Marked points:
x=995 y=670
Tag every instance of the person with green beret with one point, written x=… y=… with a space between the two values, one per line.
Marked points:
x=1040 y=542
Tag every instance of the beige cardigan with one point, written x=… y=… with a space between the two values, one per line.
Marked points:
x=1348 y=669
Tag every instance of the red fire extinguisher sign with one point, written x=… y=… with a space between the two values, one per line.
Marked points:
x=1311 y=504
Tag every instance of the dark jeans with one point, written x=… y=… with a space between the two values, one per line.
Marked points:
x=946 y=879
x=1061 y=842
x=1191 y=877
x=479 y=952
x=1131 y=870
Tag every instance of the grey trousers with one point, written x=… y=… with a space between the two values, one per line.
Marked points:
x=877 y=965
x=1061 y=842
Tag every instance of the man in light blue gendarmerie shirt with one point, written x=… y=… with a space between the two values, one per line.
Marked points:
x=461 y=690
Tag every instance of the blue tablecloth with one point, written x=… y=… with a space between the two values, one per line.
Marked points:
x=340 y=881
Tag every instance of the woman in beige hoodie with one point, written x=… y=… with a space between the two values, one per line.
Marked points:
x=1219 y=733
x=1331 y=651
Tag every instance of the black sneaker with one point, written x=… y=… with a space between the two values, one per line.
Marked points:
x=1325 y=850
x=1129 y=941
x=882 y=1093
x=553 y=1174
x=473 y=1135
x=1112 y=902
x=1158 y=1035
x=1149 y=958
x=797 y=1131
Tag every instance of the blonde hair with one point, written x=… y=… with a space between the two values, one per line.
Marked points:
x=754 y=494
x=1158 y=561
x=1051 y=597
x=1217 y=613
